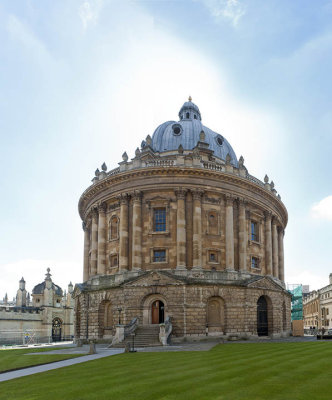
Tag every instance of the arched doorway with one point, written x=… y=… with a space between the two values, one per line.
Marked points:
x=56 y=329
x=262 y=317
x=215 y=314
x=157 y=312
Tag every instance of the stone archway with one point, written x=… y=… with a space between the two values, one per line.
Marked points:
x=105 y=317
x=264 y=316
x=154 y=309
x=215 y=316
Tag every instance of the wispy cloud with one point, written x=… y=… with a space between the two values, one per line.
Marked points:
x=89 y=12
x=229 y=10
x=323 y=209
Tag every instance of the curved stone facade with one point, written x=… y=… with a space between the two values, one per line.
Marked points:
x=189 y=233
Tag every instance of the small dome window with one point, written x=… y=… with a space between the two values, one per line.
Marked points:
x=177 y=129
x=219 y=140
x=187 y=115
x=195 y=116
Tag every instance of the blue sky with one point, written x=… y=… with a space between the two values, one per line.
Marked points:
x=82 y=81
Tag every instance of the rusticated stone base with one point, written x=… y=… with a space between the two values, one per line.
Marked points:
x=199 y=307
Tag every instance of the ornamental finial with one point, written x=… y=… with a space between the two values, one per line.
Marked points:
x=189 y=98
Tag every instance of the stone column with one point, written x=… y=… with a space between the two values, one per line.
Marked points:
x=268 y=244
x=281 y=253
x=181 y=229
x=275 y=257
x=101 y=259
x=124 y=234
x=86 y=252
x=197 y=229
x=229 y=233
x=94 y=241
x=243 y=237
x=137 y=231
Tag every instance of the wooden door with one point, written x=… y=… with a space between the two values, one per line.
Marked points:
x=155 y=312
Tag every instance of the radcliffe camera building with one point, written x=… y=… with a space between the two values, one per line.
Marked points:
x=182 y=239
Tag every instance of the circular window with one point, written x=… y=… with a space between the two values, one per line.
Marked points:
x=177 y=129
x=219 y=140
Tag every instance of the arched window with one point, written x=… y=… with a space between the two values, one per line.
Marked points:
x=114 y=228
x=187 y=115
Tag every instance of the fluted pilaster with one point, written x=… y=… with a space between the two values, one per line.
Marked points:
x=229 y=233
x=275 y=257
x=137 y=231
x=197 y=228
x=86 y=252
x=281 y=253
x=94 y=241
x=242 y=236
x=181 y=229
x=101 y=259
x=124 y=234
x=268 y=244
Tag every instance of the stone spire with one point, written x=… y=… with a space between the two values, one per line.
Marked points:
x=21 y=296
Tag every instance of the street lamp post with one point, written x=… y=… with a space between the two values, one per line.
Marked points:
x=119 y=311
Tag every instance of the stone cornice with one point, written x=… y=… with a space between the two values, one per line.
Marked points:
x=86 y=200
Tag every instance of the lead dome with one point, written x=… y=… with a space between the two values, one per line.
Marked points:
x=186 y=133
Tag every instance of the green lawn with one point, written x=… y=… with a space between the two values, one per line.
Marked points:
x=285 y=371
x=13 y=359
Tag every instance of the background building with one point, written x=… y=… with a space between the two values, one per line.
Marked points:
x=317 y=308
x=48 y=316
x=182 y=233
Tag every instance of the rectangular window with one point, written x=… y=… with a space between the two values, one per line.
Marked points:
x=159 y=255
x=213 y=257
x=254 y=262
x=254 y=231
x=114 y=260
x=159 y=219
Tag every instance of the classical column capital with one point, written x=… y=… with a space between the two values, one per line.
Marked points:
x=274 y=220
x=180 y=193
x=123 y=198
x=102 y=207
x=267 y=215
x=229 y=199
x=281 y=230
x=197 y=193
x=94 y=212
x=136 y=195
x=242 y=202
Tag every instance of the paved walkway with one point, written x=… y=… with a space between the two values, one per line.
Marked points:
x=102 y=352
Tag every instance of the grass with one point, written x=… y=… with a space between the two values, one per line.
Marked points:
x=15 y=359
x=281 y=371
